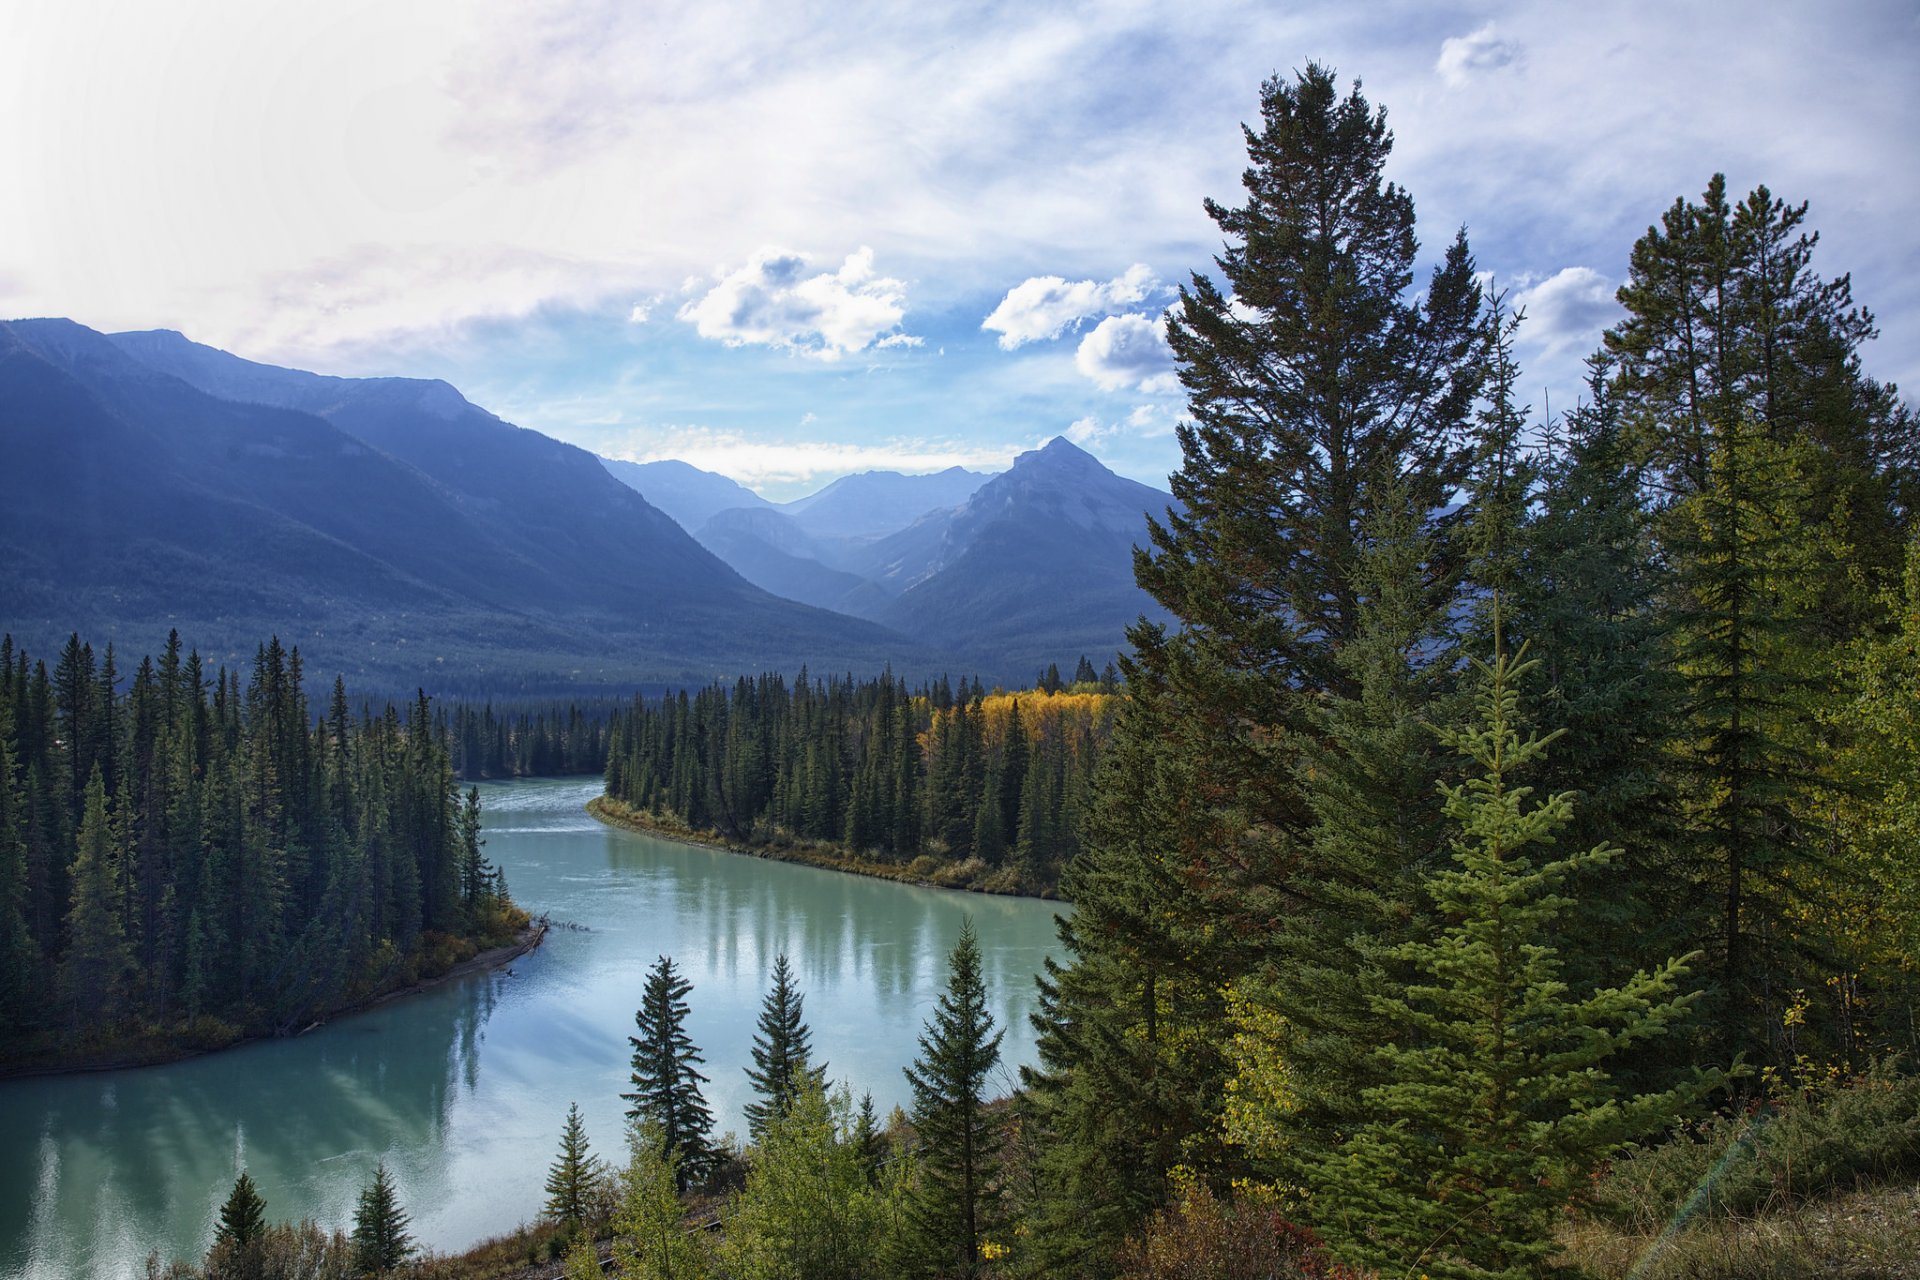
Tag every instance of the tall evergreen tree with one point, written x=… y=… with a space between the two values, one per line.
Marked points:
x=98 y=963
x=961 y=1142
x=1321 y=387
x=381 y=1242
x=782 y=1051
x=1495 y=1103
x=666 y=1079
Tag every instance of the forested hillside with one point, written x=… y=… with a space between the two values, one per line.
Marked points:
x=189 y=856
x=970 y=787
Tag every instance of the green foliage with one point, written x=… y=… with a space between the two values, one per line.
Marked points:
x=1833 y=1137
x=954 y=1206
x=576 y=1179
x=782 y=1052
x=1498 y=1102
x=243 y=1218
x=651 y=1242
x=809 y=1210
x=179 y=852
x=283 y=1251
x=870 y=768
x=380 y=1239
x=666 y=1093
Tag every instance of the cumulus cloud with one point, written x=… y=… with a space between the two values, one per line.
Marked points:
x=1128 y=351
x=1464 y=57
x=772 y=301
x=1567 y=310
x=1043 y=307
x=760 y=464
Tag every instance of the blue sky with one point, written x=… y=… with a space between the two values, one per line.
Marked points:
x=786 y=241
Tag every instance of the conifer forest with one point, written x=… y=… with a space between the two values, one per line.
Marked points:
x=1500 y=857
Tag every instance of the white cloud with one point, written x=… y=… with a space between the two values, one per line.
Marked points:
x=1567 y=310
x=1143 y=422
x=1087 y=430
x=1463 y=57
x=773 y=302
x=1043 y=307
x=1128 y=352
x=760 y=464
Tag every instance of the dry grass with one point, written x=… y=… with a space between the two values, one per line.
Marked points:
x=1863 y=1235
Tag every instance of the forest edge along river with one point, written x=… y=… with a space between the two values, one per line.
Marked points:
x=462 y=1089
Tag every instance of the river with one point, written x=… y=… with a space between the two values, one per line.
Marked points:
x=462 y=1089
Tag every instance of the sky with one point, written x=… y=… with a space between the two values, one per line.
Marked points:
x=791 y=240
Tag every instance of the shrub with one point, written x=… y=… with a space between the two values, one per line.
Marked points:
x=1832 y=1138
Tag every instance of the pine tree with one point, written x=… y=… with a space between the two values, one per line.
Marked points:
x=243 y=1218
x=380 y=1239
x=961 y=1143
x=1368 y=774
x=1132 y=1069
x=1496 y=1103
x=666 y=1082
x=99 y=962
x=576 y=1175
x=782 y=1051
x=19 y=956
x=1588 y=606
x=1316 y=378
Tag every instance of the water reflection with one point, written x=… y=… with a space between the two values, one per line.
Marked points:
x=462 y=1090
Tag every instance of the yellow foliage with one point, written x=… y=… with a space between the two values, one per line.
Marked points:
x=1260 y=1091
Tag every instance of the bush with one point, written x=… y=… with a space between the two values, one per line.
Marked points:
x=1244 y=1237
x=1833 y=1138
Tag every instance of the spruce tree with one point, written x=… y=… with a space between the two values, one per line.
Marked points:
x=98 y=963
x=782 y=1051
x=243 y=1218
x=1495 y=1102
x=380 y=1239
x=1368 y=774
x=1317 y=376
x=960 y=1149
x=1132 y=1069
x=575 y=1178
x=666 y=1081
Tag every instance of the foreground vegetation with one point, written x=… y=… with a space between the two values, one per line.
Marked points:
x=189 y=861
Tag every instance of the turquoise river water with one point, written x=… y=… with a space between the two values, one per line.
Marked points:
x=462 y=1089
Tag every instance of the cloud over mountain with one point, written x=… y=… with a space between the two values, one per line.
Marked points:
x=1043 y=307
x=773 y=302
x=1128 y=352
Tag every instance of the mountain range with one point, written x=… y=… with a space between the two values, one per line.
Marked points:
x=1031 y=566
x=401 y=535
x=394 y=531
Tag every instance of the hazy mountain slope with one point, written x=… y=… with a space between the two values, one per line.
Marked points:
x=390 y=528
x=1036 y=567
x=874 y=504
x=685 y=492
x=768 y=549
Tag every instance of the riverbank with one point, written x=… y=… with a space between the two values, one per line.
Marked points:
x=972 y=875
x=211 y=1036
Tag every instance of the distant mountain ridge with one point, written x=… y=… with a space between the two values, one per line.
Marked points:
x=390 y=528
x=1017 y=570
